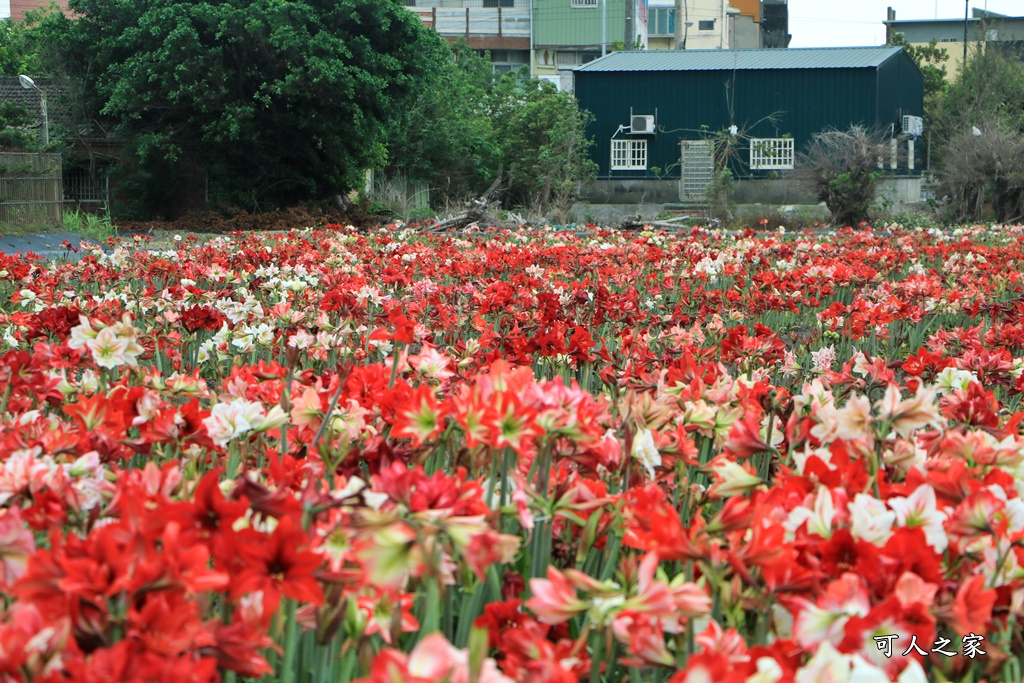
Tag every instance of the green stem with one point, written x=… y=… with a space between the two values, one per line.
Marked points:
x=291 y=629
x=596 y=643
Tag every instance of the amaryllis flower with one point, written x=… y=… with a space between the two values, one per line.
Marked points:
x=870 y=520
x=825 y=620
x=108 y=350
x=430 y=363
x=732 y=478
x=908 y=415
x=745 y=437
x=854 y=419
x=645 y=452
x=972 y=608
x=278 y=565
x=433 y=660
x=554 y=599
x=228 y=421
x=421 y=418
x=386 y=610
x=919 y=509
x=16 y=546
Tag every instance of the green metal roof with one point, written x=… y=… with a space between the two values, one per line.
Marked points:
x=729 y=60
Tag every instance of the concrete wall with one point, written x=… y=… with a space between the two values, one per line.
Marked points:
x=632 y=191
x=899 y=191
x=744 y=33
x=772 y=192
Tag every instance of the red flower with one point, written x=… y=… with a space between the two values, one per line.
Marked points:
x=278 y=565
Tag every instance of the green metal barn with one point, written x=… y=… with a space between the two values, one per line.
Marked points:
x=656 y=112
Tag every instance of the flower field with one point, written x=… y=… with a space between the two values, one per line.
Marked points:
x=538 y=457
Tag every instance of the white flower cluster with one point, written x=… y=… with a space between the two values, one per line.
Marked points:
x=111 y=346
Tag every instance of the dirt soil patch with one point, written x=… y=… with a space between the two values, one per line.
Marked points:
x=297 y=217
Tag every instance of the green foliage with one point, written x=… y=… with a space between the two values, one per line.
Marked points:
x=445 y=137
x=542 y=143
x=278 y=101
x=989 y=87
x=851 y=195
x=467 y=126
x=97 y=228
x=841 y=168
x=13 y=115
x=980 y=134
x=13 y=50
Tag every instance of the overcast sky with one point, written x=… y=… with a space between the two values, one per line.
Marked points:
x=834 y=23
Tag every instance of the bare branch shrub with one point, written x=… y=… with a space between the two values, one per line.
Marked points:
x=841 y=167
x=986 y=167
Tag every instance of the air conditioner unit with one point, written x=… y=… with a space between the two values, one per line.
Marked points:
x=641 y=124
x=913 y=125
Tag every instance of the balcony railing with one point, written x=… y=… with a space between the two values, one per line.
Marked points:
x=503 y=22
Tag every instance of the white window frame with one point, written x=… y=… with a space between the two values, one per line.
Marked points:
x=582 y=3
x=772 y=154
x=629 y=154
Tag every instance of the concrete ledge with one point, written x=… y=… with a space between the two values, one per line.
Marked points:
x=781 y=191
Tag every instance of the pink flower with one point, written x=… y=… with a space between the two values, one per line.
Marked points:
x=554 y=599
x=16 y=545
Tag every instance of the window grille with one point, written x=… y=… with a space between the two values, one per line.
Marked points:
x=629 y=155
x=583 y=3
x=78 y=186
x=771 y=154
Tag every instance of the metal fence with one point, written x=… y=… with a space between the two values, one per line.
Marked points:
x=31 y=189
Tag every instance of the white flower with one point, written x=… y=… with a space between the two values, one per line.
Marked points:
x=819 y=520
x=951 y=379
x=919 y=509
x=646 y=452
x=108 y=350
x=870 y=520
x=301 y=340
x=826 y=666
x=80 y=334
x=823 y=358
x=228 y=421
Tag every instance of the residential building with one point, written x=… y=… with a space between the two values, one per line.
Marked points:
x=708 y=24
x=500 y=28
x=570 y=33
x=656 y=113
x=775 y=24
x=988 y=29
x=16 y=8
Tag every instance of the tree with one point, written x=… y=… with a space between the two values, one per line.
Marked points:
x=278 y=101
x=979 y=128
x=841 y=167
x=13 y=137
x=468 y=126
x=446 y=137
x=542 y=143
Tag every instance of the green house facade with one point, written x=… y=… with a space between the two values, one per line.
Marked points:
x=655 y=112
x=578 y=23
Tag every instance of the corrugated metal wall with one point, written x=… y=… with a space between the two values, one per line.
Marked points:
x=899 y=92
x=693 y=105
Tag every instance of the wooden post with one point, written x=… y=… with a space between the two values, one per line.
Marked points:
x=467 y=24
x=499 y=21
